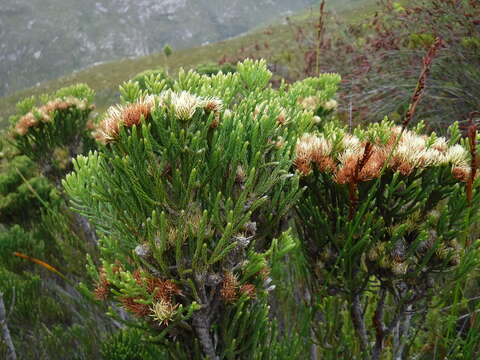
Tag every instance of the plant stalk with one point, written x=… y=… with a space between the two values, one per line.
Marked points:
x=11 y=354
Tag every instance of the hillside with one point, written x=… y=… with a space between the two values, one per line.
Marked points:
x=105 y=78
x=45 y=39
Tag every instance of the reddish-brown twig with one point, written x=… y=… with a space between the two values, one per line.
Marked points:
x=420 y=89
x=352 y=186
x=472 y=141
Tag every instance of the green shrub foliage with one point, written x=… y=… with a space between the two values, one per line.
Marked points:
x=188 y=195
x=128 y=344
x=22 y=191
x=385 y=223
x=225 y=218
x=58 y=126
x=46 y=316
x=211 y=69
x=147 y=78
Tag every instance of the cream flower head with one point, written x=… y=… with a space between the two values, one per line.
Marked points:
x=185 y=104
x=163 y=311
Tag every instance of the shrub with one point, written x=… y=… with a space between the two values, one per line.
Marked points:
x=17 y=239
x=128 y=344
x=397 y=39
x=146 y=78
x=43 y=310
x=385 y=225
x=56 y=131
x=211 y=69
x=189 y=195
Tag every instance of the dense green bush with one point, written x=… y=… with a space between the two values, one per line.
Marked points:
x=225 y=218
x=147 y=77
x=46 y=315
x=188 y=250
x=16 y=239
x=210 y=69
x=22 y=191
x=390 y=231
x=128 y=344
x=57 y=130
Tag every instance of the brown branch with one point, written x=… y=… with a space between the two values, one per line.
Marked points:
x=201 y=324
x=353 y=185
x=472 y=141
x=379 y=325
x=359 y=323
x=419 y=91
x=201 y=319
x=320 y=31
x=353 y=197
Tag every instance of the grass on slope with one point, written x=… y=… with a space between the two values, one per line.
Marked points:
x=105 y=78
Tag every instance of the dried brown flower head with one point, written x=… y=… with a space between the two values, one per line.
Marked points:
x=162 y=289
x=212 y=104
x=229 y=291
x=282 y=117
x=249 y=290
x=102 y=289
x=25 y=123
x=131 y=304
x=124 y=115
x=138 y=276
x=45 y=113
x=134 y=113
x=311 y=148
x=461 y=173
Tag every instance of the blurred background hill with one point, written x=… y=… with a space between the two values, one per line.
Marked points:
x=45 y=45
x=44 y=39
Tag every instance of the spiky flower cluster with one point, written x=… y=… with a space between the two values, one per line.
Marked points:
x=249 y=290
x=231 y=289
x=313 y=103
x=331 y=105
x=103 y=286
x=313 y=149
x=395 y=259
x=414 y=151
x=163 y=311
x=347 y=159
x=45 y=113
x=155 y=297
x=411 y=152
x=184 y=105
x=310 y=103
x=126 y=115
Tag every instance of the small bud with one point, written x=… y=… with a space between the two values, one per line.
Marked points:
x=143 y=251
x=399 y=268
x=240 y=175
x=330 y=105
